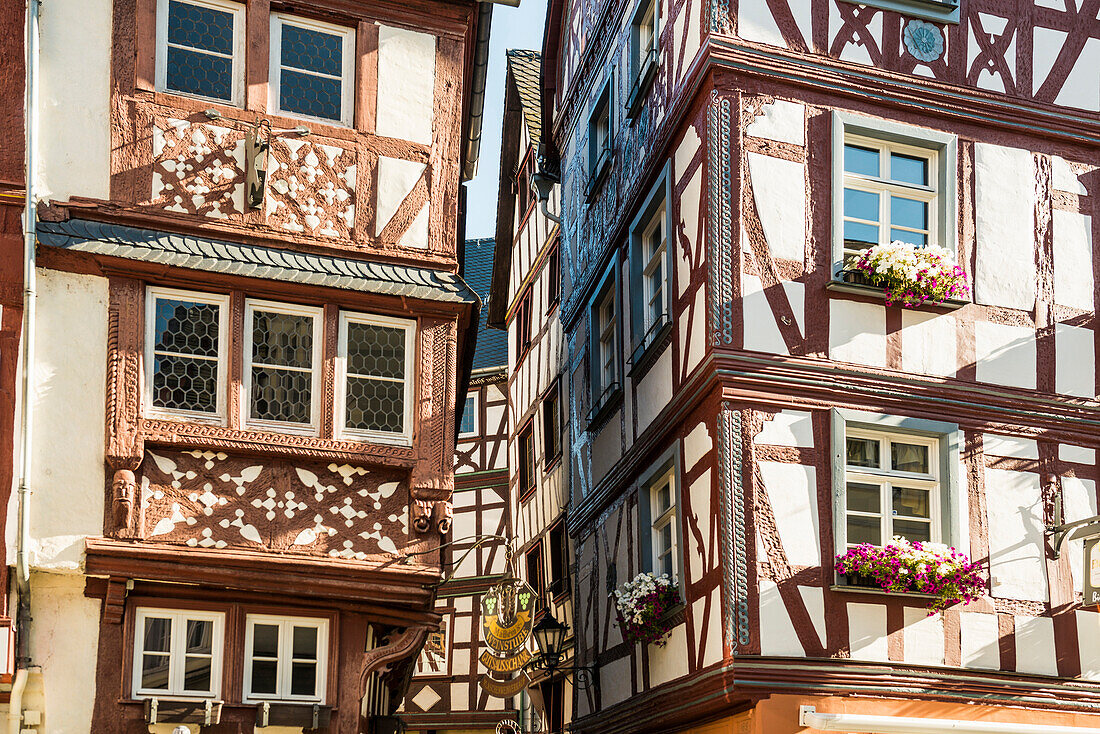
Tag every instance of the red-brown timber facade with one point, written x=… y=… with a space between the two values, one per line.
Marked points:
x=716 y=158
x=251 y=340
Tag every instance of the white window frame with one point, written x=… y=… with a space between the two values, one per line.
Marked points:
x=644 y=61
x=654 y=269
x=161 y=80
x=317 y=314
x=941 y=147
x=347 y=79
x=887 y=478
x=222 y=302
x=177 y=647
x=606 y=339
x=409 y=326
x=471 y=407
x=286 y=627
x=949 y=505
x=668 y=517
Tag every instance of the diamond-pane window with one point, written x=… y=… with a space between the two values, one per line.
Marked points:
x=282 y=355
x=185 y=342
x=311 y=65
x=197 y=50
x=377 y=355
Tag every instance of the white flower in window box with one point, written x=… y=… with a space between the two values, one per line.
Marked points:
x=646 y=608
x=911 y=275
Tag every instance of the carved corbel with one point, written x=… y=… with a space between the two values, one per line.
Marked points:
x=125 y=447
x=444 y=511
x=114 y=603
x=422 y=515
x=398 y=645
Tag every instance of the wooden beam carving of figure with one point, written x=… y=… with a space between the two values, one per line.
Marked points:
x=400 y=645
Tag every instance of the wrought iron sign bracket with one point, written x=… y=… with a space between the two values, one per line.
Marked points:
x=1078 y=530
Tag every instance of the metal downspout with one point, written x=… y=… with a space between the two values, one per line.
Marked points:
x=477 y=91
x=30 y=218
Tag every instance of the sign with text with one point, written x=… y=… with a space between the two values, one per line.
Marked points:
x=1091 y=571
x=507 y=617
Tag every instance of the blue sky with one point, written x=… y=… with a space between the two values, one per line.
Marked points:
x=512 y=28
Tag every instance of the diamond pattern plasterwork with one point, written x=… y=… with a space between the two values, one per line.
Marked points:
x=198 y=168
x=311 y=188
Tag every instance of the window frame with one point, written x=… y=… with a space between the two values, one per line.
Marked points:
x=527 y=432
x=943 y=216
x=553 y=431
x=560 y=585
x=599 y=156
x=237 y=65
x=538 y=552
x=348 y=63
x=951 y=507
x=175 y=669
x=603 y=395
x=221 y=414
x=342 y=431
x=643 y=62
x=470 y=407
x=666 y=466
x=317 y=314
x=286 y=657
x=655 y=209
x=522 y=321
x=553 y=276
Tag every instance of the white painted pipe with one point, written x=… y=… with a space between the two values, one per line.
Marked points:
x=15 y=703
x=870 y=724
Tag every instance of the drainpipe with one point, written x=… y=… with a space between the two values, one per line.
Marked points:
x=15 y=702
x=477 y=91
x=30 y=218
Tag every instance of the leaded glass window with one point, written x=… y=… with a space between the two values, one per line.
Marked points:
x=376 y=354
x=198 y=49
x=282 y=353
x=311 y=68
x=183 y=356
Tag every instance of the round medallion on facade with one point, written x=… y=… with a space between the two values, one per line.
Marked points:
x=923 y=40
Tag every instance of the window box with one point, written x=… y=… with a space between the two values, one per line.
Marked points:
x=873 y=291
x=605 y=405
x=648 y=607
x=863 y=585
x=182 y=711
x=276 y=713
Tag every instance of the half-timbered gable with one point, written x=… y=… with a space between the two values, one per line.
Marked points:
x=762 y=145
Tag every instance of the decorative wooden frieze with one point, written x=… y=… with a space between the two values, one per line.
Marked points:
x=123 y=437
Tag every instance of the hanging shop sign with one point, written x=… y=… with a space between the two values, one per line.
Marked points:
x=1091 y=568
x=507 y=618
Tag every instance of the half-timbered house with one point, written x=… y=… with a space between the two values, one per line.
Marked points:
x=525 y=298
x=742 y=413
x=445 y=694
x=251 y=345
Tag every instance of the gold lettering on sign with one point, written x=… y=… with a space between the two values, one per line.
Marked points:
x=507 y=612
x=504 y=688
x=505 y=665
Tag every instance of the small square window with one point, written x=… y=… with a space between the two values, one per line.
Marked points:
x=177 y=653
x=312 y=69
x=185 y=350
x=376 y=367
x=525 y=447
x=285 y=658
x=282 y=358
x=468 y=427
x=200 y=49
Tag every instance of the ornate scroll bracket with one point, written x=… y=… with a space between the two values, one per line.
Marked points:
x=399 y=645
x=429 y=513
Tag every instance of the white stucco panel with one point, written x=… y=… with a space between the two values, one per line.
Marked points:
x=670 y=661
x=779 y=188
x=857 y=332
x=396 y=178
x=689 y=215
x=1078 y=503
x=1015 y=447
x=1088 y=642
x=867 y=631
x=780 y=120
x=923 y=637
x=777 y=634
x=1005 y=354
x=1080 y=89
x=755 y=23
x=814 y=599
x=1004 y=226
x=788 y=428
x=761 y=332
x=1064 y=177
x=980 y=640
x=74 y=99
x=693 y=333
x=696 y=445
x=712 y=644
x=1035 y=652
x=856 y=50
x=1074 y=361
x=1073 y=283
x=1076 y=454
x=654 y=390
x=698 y=557
x=1017 y=566
x=792 y=491
x=406 y=84
x=928 y=343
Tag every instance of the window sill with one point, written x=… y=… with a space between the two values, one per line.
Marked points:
x=605 y=406
x=878 y=293
x=650 y=347
x=551 y=463
x=181 y=710
x=598 y=173
x=841 y=584
x=641 y=85
x=287 y=713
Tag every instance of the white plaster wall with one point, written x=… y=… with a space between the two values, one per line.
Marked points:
x=615 y=681
x=654 y=390
x=74 y=99
x=814 y=599
x=1064 y=178
x=788 y=428
x=1015 y=447
x=1077 y=454
x=777 y=634
x=67 y=475
x=867 y=631
x=693 y=333
x=761 y=333
x=406 y=84
x=1005 y=354
x=64 y=640
x=1016 y=541
x=712 y=644
x=671 y=661
x=980 y=640
x=779 y=187
x=396 y=178
x=923 y=637
x=1035 y=645
x=928 y=343
x=1078 y=503
x=780 y=120
x=1088 y=642
x=857 y=333
x=755 y=23
x=1004 y=226
x=702 y=512
x=696 y=444
x=1073 y=284
x=792 y=491
x=1074 y=361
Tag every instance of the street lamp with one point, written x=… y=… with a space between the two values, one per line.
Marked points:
x=549 y=636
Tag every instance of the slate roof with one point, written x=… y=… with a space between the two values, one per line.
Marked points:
x=254 y=261
x=492 y=343
x=526 y=68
